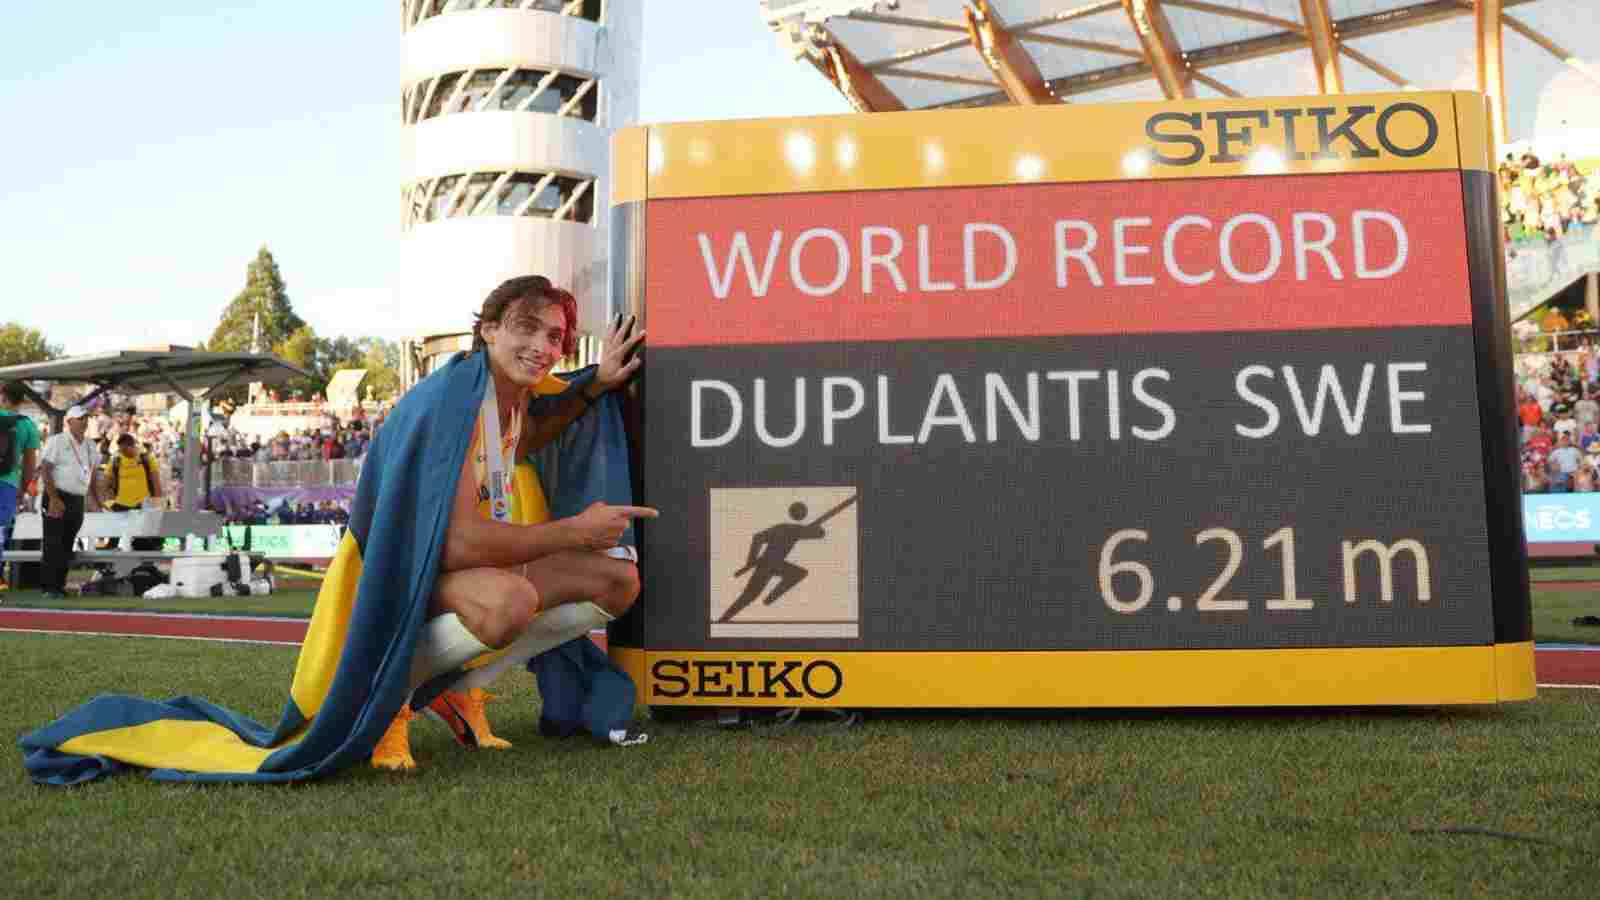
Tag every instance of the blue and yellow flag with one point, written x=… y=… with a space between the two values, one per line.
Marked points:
x=352 y=674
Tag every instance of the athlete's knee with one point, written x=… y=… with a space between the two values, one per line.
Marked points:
x=621 y=590
x=514 y=607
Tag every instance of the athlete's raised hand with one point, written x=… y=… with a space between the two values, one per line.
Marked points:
x=601 y=525
x=620 y=359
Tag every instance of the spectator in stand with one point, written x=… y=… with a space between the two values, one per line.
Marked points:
x=1538 y=445
x=99 y=424
x=1565 y=424
x=1545 y=392
x=1533 y=479
x=1586 y=410
x=1564 y=462
x=1589 y=436
x=71 y=471
x=122 y=422
x=1560 y=372
x=1529 y=412
x=1583 y=480
x=332 y=447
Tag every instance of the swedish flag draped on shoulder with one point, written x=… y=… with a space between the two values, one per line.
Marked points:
x=353 y=672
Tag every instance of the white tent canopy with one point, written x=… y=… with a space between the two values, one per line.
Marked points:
x=192 y=375
x=345 y=386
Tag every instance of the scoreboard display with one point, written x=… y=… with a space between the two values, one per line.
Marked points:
x=1183 y=404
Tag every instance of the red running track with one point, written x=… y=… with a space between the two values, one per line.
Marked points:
x=1553 y=666
x=257 y=629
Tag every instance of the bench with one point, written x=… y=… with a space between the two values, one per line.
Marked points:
x=119 y=562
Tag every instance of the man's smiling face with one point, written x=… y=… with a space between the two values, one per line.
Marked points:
x=525 y=345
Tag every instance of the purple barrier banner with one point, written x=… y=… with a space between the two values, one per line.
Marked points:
x=240 y=502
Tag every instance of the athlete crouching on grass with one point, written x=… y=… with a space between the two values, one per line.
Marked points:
x=502 y=581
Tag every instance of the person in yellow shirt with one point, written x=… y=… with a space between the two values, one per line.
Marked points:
x=133 y=478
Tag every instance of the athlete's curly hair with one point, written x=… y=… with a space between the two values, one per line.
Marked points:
x=539 y=292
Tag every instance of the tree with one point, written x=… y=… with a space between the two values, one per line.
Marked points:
x=339 y=353
x=20 y=344
x=382 y=363
x=264 y=294
x=303 y=349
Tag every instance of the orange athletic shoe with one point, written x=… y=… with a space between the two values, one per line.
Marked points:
x=462 y=713
x=394 y=748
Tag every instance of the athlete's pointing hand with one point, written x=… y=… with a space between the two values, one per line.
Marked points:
x=601 y=525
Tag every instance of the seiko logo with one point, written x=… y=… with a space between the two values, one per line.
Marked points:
x=1317 y=132
x=790 y=679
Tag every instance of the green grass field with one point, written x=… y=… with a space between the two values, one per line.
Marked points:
x=294 y=604
x=1141 y=804
x=1553 y=609
x=1564 y=573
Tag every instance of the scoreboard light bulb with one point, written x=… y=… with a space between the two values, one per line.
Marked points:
x=657 y=153
x=844 y=152
x=1267 y=161
x=933 y=158
x=1136 y=163
x=801 y=152
x=1030 y=167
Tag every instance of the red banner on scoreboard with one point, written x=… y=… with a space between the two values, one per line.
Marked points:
x=1227 y=254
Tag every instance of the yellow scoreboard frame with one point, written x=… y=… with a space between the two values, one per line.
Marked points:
x=1117 y=147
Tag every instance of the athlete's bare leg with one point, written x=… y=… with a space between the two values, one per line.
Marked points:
x=496 y=605
x=571 y=577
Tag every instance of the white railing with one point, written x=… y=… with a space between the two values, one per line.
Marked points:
x=287 y=473
x=1556 y=342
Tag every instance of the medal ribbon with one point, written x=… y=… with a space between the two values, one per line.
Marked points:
x=495 y=473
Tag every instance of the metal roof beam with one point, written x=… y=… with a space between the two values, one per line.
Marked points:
x=1324 y=45
x=1251 y=48
x=1216 y=85
x=858 y=85
x=1161 y=49
x=1013 y=67
x=1492 y=64
x=917 y=75
x=1076 y=44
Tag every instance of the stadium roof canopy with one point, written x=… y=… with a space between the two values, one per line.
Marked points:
x=163 y=369
x=917 y=54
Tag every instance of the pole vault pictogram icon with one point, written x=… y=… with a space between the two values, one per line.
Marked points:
x=769 y=556
x=785 y=562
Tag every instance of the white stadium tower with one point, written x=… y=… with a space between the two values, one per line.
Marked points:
x=508 y=108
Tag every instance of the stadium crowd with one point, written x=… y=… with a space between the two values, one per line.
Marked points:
x=1546 y=199
x=326 y=512
x=162 y=440
x=1558 y=411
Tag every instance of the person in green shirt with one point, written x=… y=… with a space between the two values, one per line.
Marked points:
x=19 y=458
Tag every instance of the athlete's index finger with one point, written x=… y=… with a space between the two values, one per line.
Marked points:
x=637 y=512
